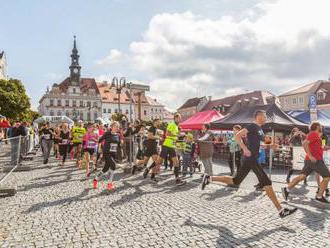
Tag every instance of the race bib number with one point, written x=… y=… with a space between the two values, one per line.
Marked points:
x=46 y=136
x=113 y=147
x=91 y=144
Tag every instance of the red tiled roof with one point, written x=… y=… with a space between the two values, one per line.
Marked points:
x=192 y=102
x=229 y=102
x=109 y=94
x=85 y=85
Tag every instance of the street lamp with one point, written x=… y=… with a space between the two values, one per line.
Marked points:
x=119 y=85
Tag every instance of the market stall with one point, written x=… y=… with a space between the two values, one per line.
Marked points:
x=305 y=117
x=54 y=120
x=197 y=121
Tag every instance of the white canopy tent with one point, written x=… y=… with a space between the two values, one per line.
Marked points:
x=54 y=119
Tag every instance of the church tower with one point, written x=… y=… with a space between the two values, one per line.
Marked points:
x=75 y=67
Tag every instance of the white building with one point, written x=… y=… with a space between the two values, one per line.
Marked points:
x=3 y=66
x=75 y=97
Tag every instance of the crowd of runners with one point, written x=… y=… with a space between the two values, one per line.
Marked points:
x=98 y=149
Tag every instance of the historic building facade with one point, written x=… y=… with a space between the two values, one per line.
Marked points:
x=3 y=66
x=75 y=97
x=85 y=99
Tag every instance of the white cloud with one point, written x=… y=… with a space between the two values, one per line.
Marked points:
x=115 y=56
x=274 y=46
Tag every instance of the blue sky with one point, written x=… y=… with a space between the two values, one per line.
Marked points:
x=37 y=38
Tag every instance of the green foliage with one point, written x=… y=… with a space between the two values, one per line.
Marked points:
x=117 y=116
x=29 y=116
x=14 y=102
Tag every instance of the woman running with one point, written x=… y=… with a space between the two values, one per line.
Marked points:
x=64 y=141
x=90 y=146
x=56 y=142
x=111 y=144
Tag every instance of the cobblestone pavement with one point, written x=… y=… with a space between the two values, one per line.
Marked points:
x=56 y=207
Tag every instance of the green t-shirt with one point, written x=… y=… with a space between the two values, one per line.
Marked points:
x=172 y=131
x=78 y=134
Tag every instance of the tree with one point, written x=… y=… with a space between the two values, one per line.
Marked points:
x=14 y=101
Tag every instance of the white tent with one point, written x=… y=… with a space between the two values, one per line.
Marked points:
x=103 y=121
x=54 y=119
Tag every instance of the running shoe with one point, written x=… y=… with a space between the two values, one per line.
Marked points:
x=145 y=173
x=110 y=186
x=179 y=182
x=134 y=169
x=286 y=212
x=322 y=199
x=205 y=181
x=285 y=193
x=95 y=184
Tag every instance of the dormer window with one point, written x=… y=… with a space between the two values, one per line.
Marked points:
x=74 y=90
x=321 y=95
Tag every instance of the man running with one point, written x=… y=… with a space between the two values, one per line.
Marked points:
x=313 y=162
x=169 y=145
x=151 y=150
x=78 y=133
x=254 y=135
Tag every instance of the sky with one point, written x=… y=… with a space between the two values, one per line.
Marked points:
x=182 y=49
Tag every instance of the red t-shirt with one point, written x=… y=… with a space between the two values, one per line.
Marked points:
x=315 y=145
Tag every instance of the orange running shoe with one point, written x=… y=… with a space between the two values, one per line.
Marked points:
x=95 y=184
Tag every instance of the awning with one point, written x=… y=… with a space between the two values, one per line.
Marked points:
x=54 y=119
x=197 y=121
x=277 y=119
x=304 y=116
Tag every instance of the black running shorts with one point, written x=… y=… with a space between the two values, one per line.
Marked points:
x=251 y=163
x=167 y=151
x=318 y=167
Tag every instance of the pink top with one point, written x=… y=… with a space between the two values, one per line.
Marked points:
x=91 y=139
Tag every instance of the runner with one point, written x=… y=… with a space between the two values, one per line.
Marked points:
x=254 y=135
x=77 y=133
x=57 y=132
x=64 y=141
x=313 y=162
x=168 y=148
x=47 y=134
x=151 y=150
x=90 y=148
x=111 y=140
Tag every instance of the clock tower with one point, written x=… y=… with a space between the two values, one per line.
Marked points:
x=75 y=67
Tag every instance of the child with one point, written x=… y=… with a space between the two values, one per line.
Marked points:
x=187 y=154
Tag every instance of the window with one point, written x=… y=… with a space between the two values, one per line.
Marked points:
x=145 y=112
x=95 y=115
x=156 y=110
x=320 y=95
x=81 y=115
x=116 y=111
x=74 y=103
x=301 y=100
x=67 y=113
x=81 y=104
x=51 y=102
x=88 y=116
x=89 y=104
x=294 y=101
x=95 y=104
x=74 y=90
x=59 y=102
x=104 y=111
x=109 y=111
x=67 y=103
x=152 y=110
x=51 y=113
x=126 y=111
x=59 y=113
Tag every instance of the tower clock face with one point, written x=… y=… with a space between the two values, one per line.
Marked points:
x=75 y=70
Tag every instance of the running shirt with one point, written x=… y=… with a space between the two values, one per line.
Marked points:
x=152 y=142
x=78 y=134
x=91 y=139
x=172 y=129
x=254 y=137
x=46 y=134
x=112 y=142
x=64 y=138
x=315 y=145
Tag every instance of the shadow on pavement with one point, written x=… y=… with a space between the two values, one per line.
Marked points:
x=227 y=237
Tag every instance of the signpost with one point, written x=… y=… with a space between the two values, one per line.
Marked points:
x=312 y=107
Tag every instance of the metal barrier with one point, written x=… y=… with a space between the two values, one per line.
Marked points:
x=12 y=152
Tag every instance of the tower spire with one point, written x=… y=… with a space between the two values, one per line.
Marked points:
x=75 y=67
